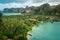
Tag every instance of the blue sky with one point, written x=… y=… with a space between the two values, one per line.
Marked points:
x=23 y=3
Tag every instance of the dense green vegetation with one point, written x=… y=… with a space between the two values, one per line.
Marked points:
x=16 y=27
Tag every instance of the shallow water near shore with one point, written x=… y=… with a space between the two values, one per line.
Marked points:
x=8 y=14
x=46 y=31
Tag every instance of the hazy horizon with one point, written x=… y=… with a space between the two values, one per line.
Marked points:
x=24 y=3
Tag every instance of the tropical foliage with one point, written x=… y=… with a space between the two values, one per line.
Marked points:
x=16 y=27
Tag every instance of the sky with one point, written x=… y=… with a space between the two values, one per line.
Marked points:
x=24 y=3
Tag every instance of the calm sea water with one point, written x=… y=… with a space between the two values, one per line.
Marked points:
x=8 y=14
x=46 y=31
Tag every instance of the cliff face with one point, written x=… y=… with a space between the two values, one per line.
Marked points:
x=13 y=10
x=44 y=7
x=19 y=10
x=32 y=9
x=57 y=10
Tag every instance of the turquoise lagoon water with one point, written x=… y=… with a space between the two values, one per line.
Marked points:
x=8 y=14
x=46 y=31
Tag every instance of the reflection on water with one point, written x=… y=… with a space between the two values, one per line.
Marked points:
x=46 y=31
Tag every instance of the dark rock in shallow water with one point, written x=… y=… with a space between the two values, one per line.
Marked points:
x=30 y=34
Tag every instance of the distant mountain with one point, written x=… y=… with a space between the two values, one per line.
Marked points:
x=13 y=10
x=44 y=9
